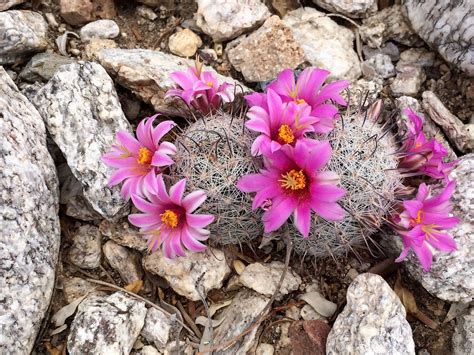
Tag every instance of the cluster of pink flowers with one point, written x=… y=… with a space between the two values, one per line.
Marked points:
x=293 y=180
x=424 y=220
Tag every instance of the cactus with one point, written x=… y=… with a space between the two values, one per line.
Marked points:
x=213 y=153
x=363 y=157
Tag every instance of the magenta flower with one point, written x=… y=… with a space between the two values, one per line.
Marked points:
x=292 y=182
x=283 y=123
x=200 y=89
x=168 y=219
x=421 y=156
x=424 y=222
x=138 y=160
x=308 y=89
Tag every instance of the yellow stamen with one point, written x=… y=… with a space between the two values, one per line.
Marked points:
x=300 y=101
x=293 y=180
x=144 y=156
x=210 y=84
x=286 y=134
x=293 y=93
x=417 y=220
x=169 y=218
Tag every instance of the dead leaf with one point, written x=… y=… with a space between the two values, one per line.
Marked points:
x=239 y=266
x=204 y=321
x=135 y=286
x=59 y=318
x=213 y=308
x=58 y=330
x=319 y=303
x=52 y=350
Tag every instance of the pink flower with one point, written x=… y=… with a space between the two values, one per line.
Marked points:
x=138 y=160
x=308 y=89
x=421 y=156
x=200 y=89
x=292 y=182
x=283 y=123
x=168 y=219
x=423 y=223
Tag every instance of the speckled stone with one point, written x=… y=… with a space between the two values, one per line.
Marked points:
x=43 y=66
x=124 y=234
x=106 y=325
x=6 y=4
x=82 y=113
x=350 y=8
x=157 y=327
x=372 y=322
x=85 y=251
x=29 y=220
x=21 y=33
x=463 y=338
x=124 y=261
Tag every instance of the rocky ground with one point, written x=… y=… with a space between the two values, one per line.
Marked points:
x=76 y=277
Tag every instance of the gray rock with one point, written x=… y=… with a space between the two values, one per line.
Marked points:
x=226 y=19
x=146 y=73
x=265 y=52
x=75 y=287
x=82 y=114
x=388 y=48
x=264 y=278
x=30 y=91
x=77 y=207
x=372 y=322
x=447 y=26
x=463 y=338
x=123 y=234
x=246 y=306
x=378 y=65
x=21 y=33
x=360 y=87
x=326 y=44
x=6 y=4
x=85 y=251
x=29 y=221
x=43 y=66
x=157 y=328
x=146 y=12
x=186 y=275
x=408 y=80
x=104 y=29
x=419 y=56
x=124 y=261
x=351 y=8
x=387 y=24
x=106 y=325
x=147 y=350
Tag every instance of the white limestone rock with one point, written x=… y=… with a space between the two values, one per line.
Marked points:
x=408 y=81
x=350 y=8
x=22 y=32
x=82 y=113
x=372 y=322
x=29 y=202
x=226 y=19
x=325 y=43
x=463 y=338
x=103 y=29
x=204 y=271
x=107 y=325
x=184 y=43
x=157 y=328
x=378 y=65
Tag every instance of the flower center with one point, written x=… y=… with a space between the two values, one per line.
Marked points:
x=293 y=180
x=144 y=156
x=293 y=93
x=286 y=134
x=417 y=145
x=417 y=220
x=210 y=84
x=169 y=218
x=300 y=101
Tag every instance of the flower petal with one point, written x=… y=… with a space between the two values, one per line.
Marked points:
x=278 y=213
x=302 y=218
x=177 y=191
x=193 y=200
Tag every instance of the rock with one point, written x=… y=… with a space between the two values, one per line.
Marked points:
x=152 y=3
x=408 y=80
x=264 y=278
x=29 y=221
x=447 y=27
x=387 y=24
x=284 y=6
x=75 y=287
x=157 y=328
x=76 y=12
x=388 y=48
x=123 y=234
x=104 y=9
x=354 y=9
x=43 y=66
x=450 y=276
x=378 y=65
x=456 y=131
x=106 y=325
x=308 y=313
x=204 y=271
x=182 y=349
x=309 y=337
x=78 y=208
x=372 y=322
x=124 y=261
x=326 y=44
x=463 y=339
x=147 y=350
x=360 y=87
x=419 y=56
x=146 y=73
x=103 y=29
x=226 y=19
x=95 y=45
x=245 y=308
x=82 y=113
x=6 y=4
x=21 y=33
x=265 y=349
x=146 y=12
x=184 y=43
x=264 y=53
x=85 y=250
